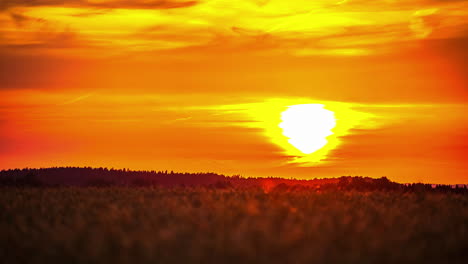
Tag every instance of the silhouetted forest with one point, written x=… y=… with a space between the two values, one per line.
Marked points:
x=212 y=218
x=104 y=177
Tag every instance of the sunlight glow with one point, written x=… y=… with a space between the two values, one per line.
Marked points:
x=307 y=126
x=305 y=129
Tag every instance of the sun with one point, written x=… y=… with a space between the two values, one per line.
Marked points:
x=305 y=130
x=307 y=126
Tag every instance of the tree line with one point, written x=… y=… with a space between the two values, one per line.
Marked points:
x=104 y=177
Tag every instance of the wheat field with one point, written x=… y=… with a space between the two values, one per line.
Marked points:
x=206 y=225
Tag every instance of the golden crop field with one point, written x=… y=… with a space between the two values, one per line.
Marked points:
x=207 y=225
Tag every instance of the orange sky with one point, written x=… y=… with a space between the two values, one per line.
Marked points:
x=200 y=85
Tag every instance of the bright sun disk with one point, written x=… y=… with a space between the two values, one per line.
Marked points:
x=307 y=126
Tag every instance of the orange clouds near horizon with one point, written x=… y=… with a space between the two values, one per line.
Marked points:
x=204 y=85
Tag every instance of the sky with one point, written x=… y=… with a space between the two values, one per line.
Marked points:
x=301 y=89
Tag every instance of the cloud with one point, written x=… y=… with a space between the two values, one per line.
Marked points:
x=19 y=19
x=238 y=38
x=300 y=28
x=56 y=39
x=77 y=99
x=128 y=4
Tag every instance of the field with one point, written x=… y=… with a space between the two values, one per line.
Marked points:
x=209 y=225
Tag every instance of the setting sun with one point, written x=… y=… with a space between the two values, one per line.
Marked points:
x=305 y=130
x=307 y=126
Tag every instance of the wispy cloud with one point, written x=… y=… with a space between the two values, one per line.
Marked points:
x=299 y=28
x=77 y=99
x=129 y=4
